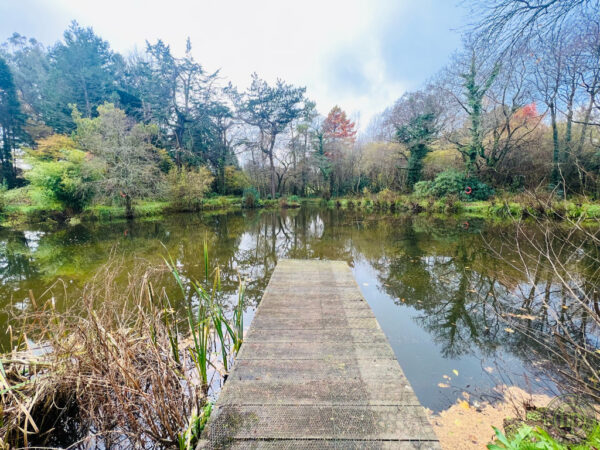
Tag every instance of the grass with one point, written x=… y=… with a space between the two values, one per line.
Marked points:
x=117 y=368
x=500 y=207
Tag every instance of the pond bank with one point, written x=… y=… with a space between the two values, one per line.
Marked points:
x=17 y=211
x=468 y=424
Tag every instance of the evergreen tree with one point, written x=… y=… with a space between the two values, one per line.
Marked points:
x=82 y=73
x=11 y=124
x=270 y=109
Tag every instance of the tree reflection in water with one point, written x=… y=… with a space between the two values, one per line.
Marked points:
x=462 y=287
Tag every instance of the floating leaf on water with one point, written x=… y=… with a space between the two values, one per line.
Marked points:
x=565 y=307
x=365 y=284
x=443 y=385
x=488 y=369
x=509 y=330
x=455 y=372
x=446 y=377
x=403 y=300
x=472 y=291
x=523 y=316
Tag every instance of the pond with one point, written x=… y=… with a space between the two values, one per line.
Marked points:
x=435 y=285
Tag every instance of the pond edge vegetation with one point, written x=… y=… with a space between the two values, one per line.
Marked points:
x=119 y=367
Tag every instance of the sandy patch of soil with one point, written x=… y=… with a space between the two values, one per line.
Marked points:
x=468 y=425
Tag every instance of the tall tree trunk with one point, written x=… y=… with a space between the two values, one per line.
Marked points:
x=128 y=207
x=272 y=164
x=556 y=147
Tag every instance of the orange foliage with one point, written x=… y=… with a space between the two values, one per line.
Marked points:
x=338 y=126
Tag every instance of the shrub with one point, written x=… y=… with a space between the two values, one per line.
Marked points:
x=68 y=179
x=236 y=181
x=423 y=188
x=187 y=187
x=250 y=198
x=453 y=182
x=294 y=199
x=386 y=196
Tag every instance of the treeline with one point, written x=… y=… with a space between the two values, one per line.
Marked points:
x=517 y=108
x=80 y=122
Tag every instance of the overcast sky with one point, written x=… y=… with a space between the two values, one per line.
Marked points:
x=359 y=54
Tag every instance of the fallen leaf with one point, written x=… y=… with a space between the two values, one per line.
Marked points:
x=455 y=372
x=523 y=316
x=403 y=300
x=509 y=330
x=565 y=307
x=464 y=404
x=443 y=385
x=446 y=377
x=488 y=369
x=365 y=284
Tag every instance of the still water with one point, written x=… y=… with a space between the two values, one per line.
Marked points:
x=435 y=285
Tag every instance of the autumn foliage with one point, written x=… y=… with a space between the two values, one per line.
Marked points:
x=338 y=127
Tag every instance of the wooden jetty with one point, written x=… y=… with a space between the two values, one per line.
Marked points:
x=316 y=371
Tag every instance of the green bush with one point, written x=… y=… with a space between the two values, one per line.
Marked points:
x=68 y=180
x=236 y=181
x=187 y=187
x=293 y=199
x=250 y=198
x=423 y=188
x=453 y=182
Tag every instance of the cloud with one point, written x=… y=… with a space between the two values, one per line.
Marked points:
x=358 y=54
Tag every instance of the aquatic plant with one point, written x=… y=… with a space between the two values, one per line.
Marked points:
x=118 y=367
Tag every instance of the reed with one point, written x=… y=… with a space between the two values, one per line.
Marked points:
x=119 y=367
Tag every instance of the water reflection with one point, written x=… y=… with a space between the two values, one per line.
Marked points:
x=439 y=288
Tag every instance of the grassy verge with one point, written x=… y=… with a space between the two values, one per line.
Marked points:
x=27 y=205
x=519 y=207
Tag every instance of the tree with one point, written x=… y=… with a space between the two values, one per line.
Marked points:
x=474 y=93
x=180 y=96
x=12 y=120
x=82 y=73
x=338 y=127
x=28 y=61
x=339 y=135
x=124 y=151
x=270 y=109
x=508 y=23
x=417 y=135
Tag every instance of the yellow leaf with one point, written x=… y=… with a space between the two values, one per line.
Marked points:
x=443 y=385
x=455 y=372
x=565 y=307
x=446 y=377
x=463 y=404
x=509 y=330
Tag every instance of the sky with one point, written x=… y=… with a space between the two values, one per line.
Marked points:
x=359 y=54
